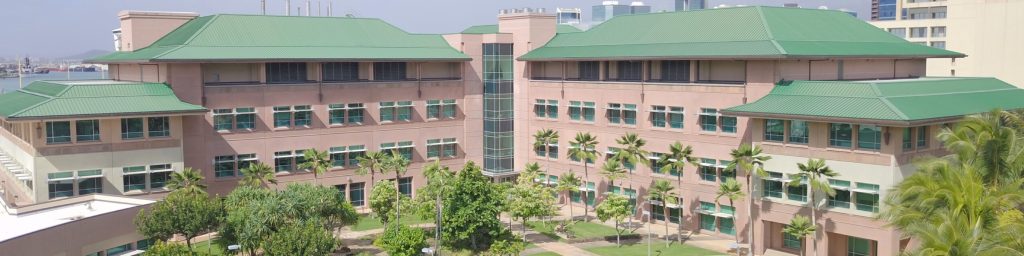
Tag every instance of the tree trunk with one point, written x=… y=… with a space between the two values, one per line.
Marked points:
x=570 y=209
x=524 y=229
x=668 y=219
x=398 y=199
x=618 y=234
x=814 y=221
x=586 y=192
x=679 y=231
x=750 y=214
x=188 y=242
x=737 y=236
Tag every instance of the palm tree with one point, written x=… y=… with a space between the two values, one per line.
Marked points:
x=569 y=183
x=371 y=163
x=676 y=159
x=188 y=180
x=732 y=190
x=993 y=141
x=632 y=152
x=396 y=163
x=584 y=151
x=612 y=170
x=317 y=162
x=531 y=172
x=257 y=174
x=662 y=189
x=817 y=174
x=800 y=227
x=749 y=160
x=544 y=138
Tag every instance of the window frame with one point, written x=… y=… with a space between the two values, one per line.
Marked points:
x=51 y=132
x=834 y=135
x=158 y=127
x=133 y=135
x=95 y=131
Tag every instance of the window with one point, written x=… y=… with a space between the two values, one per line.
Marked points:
x=842 y=197
x=337 y=113
x=858 y=246
x=143 y=244
x=86 y=130
x=342 y=190
x=659 y=116
x=299 y=158
x=726 y=225
x=58 y=132
x=159 y=127
x=869 y=137
x=900 y=32
x=90 y=182
x=303 y=115
x=391 y=111
x=286 y=72
x=282 y=116
x=840 y=135
x=707 y=170
x=772 y=185
x=355 y=194
x=774 y=130
x=131 y=128
x=726 y=173
x=243 y=118
x=354 y=153
x=729 y=124
x=283 y=161
x=938 y=31
x=577 y=197
x=403 y=147
x=159 y=175
x=675 y=70
x=389 y=71
x=134 y=178
x=582 y=110
x=939 y=44
x=918 y=32
x=245 y=160
x=922 y=137
x=437 y=109
x=224 y=166
x=622 y=113
x=790 y=241
x=405 y=186
x=798 y=132
x=340 y=156
x=340 y=71
x=437 y=148
x=867 y=197
x=60 y=184
x=545 y=108
x=123 y=249
x=908 y=139
x=798 y=192
x=630 y=70
x=708 y=119
x=590 y=70
x=707 y=221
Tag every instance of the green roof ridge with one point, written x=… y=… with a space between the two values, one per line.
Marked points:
x=768 y=30
x=885 y=100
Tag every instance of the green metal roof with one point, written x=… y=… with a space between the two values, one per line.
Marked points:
x=229 y=37
x=898 y=101
x=740 y=32
x=63 y=99
x=493 y=29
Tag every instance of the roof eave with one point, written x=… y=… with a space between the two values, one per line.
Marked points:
x=831 y=119
x=119 y=115
x=741 y=57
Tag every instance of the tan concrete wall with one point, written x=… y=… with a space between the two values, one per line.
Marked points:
x=140 y=29
x=112 y=164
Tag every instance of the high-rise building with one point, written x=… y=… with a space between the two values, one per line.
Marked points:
x=690 y=5
x=569 y=16
x=219 y=93
x=609 y=9
x=987 y=31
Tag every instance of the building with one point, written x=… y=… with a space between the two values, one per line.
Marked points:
x=610 y=9
x=90 y=225
x=267 y=88
x=690 y=5
x=568 y=16
x=985 y=30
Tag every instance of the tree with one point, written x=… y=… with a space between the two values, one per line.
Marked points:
x=991 y=141
x=532 y=172
x=677 y=159
x=470 y=219
x=529 y=199
x=800 y=227
x=258 y=174
x=317 y=162
x=252 y=213
x=612 y=171
x=662 y=189
x=569 y=184
x=382 y=202
x=184 y=213
x=583 y=150
x=402 y=240
x=614 y=207
x=397 y=163
x=632 y=152
x=732 y=190
x=428 y=198
x=543 y=139
x=301 y=238
x=189 y=180
x=161 y=248
x=371 y=163
x=750 y=161
x=313 y=202
x=816 y=173
x=507 y=247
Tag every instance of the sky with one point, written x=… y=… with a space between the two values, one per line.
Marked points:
x=55 y=28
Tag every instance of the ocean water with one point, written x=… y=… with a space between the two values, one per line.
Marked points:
x=11 y=84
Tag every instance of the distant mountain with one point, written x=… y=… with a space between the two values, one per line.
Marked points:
x=86 y=55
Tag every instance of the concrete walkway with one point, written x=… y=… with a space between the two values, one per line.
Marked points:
x=562 y=248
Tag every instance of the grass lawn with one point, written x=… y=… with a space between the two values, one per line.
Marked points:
x=656 y=249
x=204 y=247
x=580 y=229
x=367 y=223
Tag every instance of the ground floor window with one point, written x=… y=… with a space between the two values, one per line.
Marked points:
x=134 y=178
x=61 y=188
x=797 y=193
x=124 y=248
x=577 y=196
x=707 y=222
x=143 y=244
x=355 y=195
x=726 y=226
x=857 y=246
x=90 y=186
x=405 y=186
x=790 y=241
x=342 y=191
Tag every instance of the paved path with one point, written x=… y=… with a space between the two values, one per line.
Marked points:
x=563 y=248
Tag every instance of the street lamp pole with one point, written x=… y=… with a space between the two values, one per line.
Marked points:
x=648 y=213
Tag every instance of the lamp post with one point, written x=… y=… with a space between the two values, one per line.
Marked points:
x=648 y=214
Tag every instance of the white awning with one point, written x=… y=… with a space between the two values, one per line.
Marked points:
x=865 y=191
